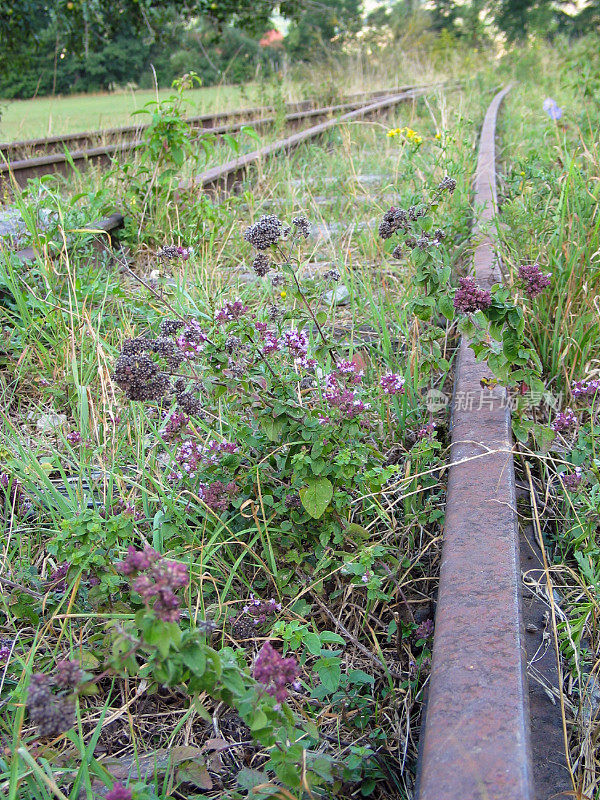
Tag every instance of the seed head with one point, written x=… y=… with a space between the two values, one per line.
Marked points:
x=302 y=226
x=261 y=264
x=264 y=233
x=533 y=279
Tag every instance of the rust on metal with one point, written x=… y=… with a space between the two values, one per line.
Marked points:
x=476 y=742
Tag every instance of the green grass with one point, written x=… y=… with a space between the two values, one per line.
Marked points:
x=46 y=116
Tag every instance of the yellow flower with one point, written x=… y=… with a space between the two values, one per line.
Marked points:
x=283 y=294
x=523 y=174
x=438 y=135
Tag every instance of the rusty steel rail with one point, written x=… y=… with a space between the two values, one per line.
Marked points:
x=476 y=742
x=83 y=140
x=229 y=173
x=22 y=170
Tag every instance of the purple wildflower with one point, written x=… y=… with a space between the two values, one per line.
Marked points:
x=572 y=480
x=265 y=232
x=51 y=714
x=272 y=343
x=217 y=495
x=391 y=383
x=56 y=580
x=470 y=297
x=74 y=437
x=231 y=311
x=171 y=251
x=5 y=651
x=423 y=433
x=119 y=792
x=261 y=610
x=296 y=342
x=585 y=388
x=275 y=672
x=4 y=480
x=157 y=580
x=68 y=674
x=176 y=425
x=345 y=400
x=192 y=456
x=534 y=280
x=424 y=630
x=191 y=340
x=552 y=109
x=565 y=420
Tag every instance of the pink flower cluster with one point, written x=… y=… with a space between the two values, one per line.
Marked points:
x=260 y=610
x=423 y=433
x=217 y=495
x=392 y=383
x=565 y=420
x=157 y=580
x=572 y=480
x=295 y=341
x=231 y=311
x=176 y=425
x=534 y=280
x=119 y=792
x=585 y=388
x=191 y=340
x=470 y=297
x=337 y=393
x=192 y=456
x=275 y=672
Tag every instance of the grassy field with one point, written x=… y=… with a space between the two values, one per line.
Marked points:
x=44 y=116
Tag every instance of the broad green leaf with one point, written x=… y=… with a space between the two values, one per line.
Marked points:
x=316 y=496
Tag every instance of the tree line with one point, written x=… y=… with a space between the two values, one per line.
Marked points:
x=66 y=46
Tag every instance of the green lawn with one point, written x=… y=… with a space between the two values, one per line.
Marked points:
x=28 y=119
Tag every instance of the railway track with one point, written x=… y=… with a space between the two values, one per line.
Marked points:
x=488 y=735
x=29 y=148
x=227 y=175
x=33 y=158
x=489 y=732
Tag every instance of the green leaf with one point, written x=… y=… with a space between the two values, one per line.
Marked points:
x=329 y=672
x=446 y=306
x=195 y=659
x=259 y=721
x=312 y=643
x=273 y=427
x=249 y=778
x=353 y=529
x=510 y=343
x=316 y=496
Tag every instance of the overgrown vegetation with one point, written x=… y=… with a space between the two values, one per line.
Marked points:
x=223 y=479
